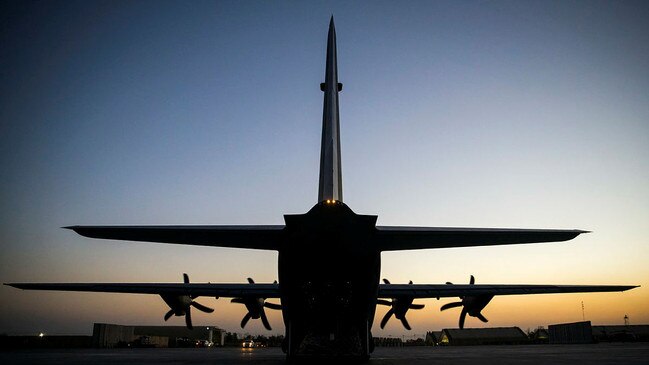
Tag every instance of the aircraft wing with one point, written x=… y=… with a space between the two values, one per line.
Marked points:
x=452 y=290
x=272 y=290
x=193 y=290
x=409 y=238
x=257 y=237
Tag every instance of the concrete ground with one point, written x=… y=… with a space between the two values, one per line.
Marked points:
x=616 y=353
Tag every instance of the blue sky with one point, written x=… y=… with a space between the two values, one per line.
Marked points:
x=486 y=114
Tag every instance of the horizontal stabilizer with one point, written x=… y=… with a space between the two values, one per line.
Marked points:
x=257 y=237
x=411 y=238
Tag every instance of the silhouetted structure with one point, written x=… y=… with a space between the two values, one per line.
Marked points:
x=388 y=342
x=539 y=336
x=483 y=336
x=621 y=333
x=105 y=335
x=432 y=338
x=578 y=332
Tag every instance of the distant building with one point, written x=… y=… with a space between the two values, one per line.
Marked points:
x=578 y=332
x=415 y=342
x=105 y=335
x=621 y=333
x=483 y=336
x=540 y=336
x=432 y=338
x=388 y=342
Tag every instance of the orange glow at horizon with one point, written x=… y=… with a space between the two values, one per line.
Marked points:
x=524 y=311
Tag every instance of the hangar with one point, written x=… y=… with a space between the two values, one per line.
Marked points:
x=105 y=335
x=621 y=333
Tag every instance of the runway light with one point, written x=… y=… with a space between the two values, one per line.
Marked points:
x=41 y=334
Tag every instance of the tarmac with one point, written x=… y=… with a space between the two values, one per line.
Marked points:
x=603 y=353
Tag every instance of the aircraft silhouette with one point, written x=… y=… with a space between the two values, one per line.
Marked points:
x=329 y=261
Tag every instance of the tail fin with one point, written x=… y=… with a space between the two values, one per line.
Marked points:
x=331 y=183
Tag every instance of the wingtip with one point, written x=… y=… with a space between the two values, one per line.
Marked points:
x=70 y=227
x=630 y=287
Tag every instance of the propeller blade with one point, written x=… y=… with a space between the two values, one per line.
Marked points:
x=386 y=281
x=250 y=281
x=450 y=305
x=462 y=318
x=245 y=320
x=188 y=319
x=264 y=319
x=272 y=305
x=169 y=314
x=237 y=300
x=383 y=302
x=481 y=317
x=417 y=306
x=386 y=317
x=185 y=278
x=472 y=280
x=405 y=323
x=201 y=307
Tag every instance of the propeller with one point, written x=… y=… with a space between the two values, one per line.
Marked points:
x=180 y=305
x=255 y=306
x=471 y=305
x=399 y=308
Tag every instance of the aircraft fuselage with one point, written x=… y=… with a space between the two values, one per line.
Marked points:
x=329 y=280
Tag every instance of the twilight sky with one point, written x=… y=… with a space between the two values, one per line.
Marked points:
x=521 y=114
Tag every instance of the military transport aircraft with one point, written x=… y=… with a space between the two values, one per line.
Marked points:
x=329 y=261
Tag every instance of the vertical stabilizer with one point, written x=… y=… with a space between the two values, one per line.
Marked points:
x=331 y=183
